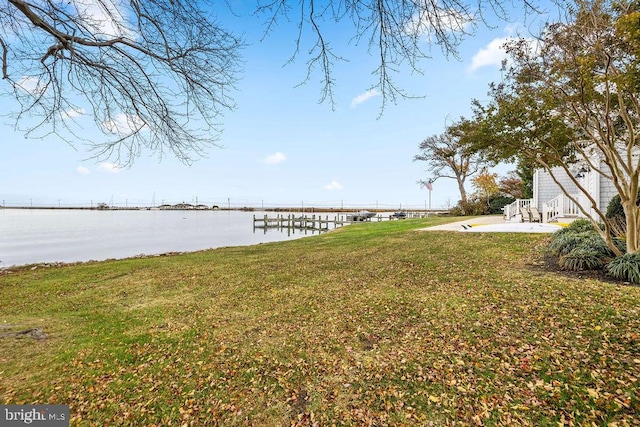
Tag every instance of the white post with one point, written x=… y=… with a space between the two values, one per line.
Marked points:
x=561 y=206
x=536 y=188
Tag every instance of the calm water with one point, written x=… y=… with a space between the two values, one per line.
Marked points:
x=42 y=235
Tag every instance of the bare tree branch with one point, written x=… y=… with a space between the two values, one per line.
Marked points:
x=400 y=33
x=156 y=75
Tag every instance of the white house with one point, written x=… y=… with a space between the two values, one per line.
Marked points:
x=553 y=205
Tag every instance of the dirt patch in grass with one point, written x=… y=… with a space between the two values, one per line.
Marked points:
x=16 y=331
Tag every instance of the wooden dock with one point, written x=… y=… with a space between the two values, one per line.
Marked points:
x=318 y=223
x=299 y=222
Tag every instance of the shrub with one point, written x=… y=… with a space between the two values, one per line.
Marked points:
x=597 y=243
x=471 y=207
x=582 y=258
x=625 y=267
x=456 y=211
x=616 y=216
x=579 y=225
x=618 y=226
x=477 y=206
x=564 y=242
x=621 y=243
x=497 y=203
x=614 y=208
x=580 y=236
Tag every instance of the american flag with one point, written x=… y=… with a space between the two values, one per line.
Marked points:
x=429 y=186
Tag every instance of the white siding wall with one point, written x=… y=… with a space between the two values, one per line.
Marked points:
x=547 y=189
x=607 y=190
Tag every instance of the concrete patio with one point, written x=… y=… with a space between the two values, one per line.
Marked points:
x=492 y=224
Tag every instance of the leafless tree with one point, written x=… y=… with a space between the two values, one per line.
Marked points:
x=157 y=75
x=153 y=74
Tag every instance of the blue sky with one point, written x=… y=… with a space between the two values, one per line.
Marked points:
x=280 y=147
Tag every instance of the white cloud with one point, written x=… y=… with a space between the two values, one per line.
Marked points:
x=449 y=20
x=109 y=167
x=274 y=159
x=513 y=29
x=491 y=55
x=123 y=124
x=105 y=18
x=73 y=113
x=364 y=97
x=333 y=185
x=81 y=170
x=494 y=53
x=31 y=85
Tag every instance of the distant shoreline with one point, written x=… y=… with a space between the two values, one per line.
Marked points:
x=216 y=208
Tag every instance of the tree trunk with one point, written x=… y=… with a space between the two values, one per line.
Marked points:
x=632 y=213
x=463 y=192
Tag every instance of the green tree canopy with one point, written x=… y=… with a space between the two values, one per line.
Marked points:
x=573 y=99
x=446 y=157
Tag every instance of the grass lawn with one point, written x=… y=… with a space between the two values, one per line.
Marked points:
x=372 y=324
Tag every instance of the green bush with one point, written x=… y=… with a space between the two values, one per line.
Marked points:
x=456 y=211
x=597 y=243
x=618 y=227
x=471 y=207
x=614 y=209
x=580 y=234
x=475 y=206
x=578 y=226
x=625 y=267
x=497 y=203
x=564 y=242
x=582 y=258
x=621 y=244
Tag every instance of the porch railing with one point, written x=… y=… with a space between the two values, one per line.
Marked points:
x=513 y=209
x=559 y=207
